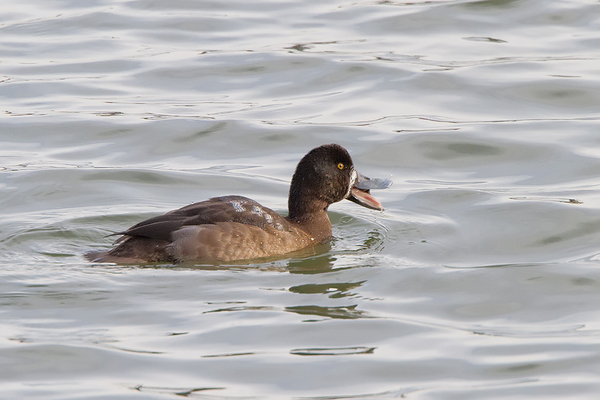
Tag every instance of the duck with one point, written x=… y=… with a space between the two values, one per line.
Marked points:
x=234 y=228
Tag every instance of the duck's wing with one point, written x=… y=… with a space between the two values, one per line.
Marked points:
x=218 y=209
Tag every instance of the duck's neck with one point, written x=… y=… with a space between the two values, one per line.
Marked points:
x=310 y=214
x=317 y=225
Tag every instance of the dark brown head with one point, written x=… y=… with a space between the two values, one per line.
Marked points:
x=324 y=176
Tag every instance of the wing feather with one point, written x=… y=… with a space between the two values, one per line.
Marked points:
x=218 y=209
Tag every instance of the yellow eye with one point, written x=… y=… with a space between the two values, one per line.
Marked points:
x=341 y=166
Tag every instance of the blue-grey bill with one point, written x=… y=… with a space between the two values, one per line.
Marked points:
x=360 y=192
x=364 y=183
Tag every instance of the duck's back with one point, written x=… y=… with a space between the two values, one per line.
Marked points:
x=219 y=229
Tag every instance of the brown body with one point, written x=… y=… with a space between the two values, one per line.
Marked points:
x=239 y=229
x=231 y=228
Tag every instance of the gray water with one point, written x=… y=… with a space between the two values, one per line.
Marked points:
x=480 y=280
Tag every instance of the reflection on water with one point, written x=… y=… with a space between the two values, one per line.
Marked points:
x=185 y=392
x=312 y=265
x=334 y=290
x=343 y=312
x=333 y=351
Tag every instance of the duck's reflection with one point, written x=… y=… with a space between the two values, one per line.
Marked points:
x=334 y=290
x=341 y=312
x=320 y=260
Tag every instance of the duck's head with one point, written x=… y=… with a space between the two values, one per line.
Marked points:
x=326 y=175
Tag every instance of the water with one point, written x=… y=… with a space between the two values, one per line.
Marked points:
x=480 y=280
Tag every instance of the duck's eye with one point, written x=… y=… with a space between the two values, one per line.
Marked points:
x=340 y=166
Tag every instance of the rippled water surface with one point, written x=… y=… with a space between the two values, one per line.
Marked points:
x=480 y=280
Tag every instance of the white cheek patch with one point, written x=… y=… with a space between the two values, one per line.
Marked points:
x=353 y=178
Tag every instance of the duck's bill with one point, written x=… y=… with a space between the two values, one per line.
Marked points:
x=360 y=193
x=364 y=183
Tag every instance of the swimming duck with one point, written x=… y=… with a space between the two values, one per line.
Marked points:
x=232 y=228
